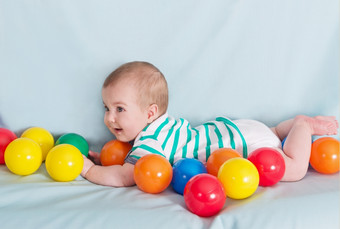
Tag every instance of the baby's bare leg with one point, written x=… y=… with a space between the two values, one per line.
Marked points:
x=297 y=147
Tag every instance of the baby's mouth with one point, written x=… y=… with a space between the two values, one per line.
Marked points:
x=118 y=129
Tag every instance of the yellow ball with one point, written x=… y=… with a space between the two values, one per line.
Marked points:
x=23 y=156
x=42 y=136
x=239 y=177
x=64 y=162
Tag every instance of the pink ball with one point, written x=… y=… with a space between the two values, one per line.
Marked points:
x=6 y=137
x=204 y=195
x=270 y=165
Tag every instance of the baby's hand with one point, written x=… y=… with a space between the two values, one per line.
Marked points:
x=95 y=157
x=87 y=165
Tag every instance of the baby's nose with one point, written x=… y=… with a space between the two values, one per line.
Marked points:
x=110 y=118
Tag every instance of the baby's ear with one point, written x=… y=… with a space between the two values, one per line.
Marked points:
x=152 y=113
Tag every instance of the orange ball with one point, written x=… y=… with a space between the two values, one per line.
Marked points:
x=218 y=157
x=325 y=155
x=152 y=173
x=114 y=152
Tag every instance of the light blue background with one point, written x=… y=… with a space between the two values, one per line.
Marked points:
x=268 y=60
x=263 y=59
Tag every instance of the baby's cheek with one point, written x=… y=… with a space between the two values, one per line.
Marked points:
x=106 y=122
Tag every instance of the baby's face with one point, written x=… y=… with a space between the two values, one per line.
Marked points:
x=123 y=116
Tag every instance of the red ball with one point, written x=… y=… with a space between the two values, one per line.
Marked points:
x=6 y=137
x=204 y=195
x=270 y=165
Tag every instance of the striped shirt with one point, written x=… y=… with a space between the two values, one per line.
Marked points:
x=175 y=139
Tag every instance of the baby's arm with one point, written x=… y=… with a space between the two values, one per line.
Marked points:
x=114 y=175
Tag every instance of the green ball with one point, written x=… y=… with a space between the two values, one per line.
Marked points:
x=75 y=140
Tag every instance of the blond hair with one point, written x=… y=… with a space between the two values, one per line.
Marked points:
x=148 y=80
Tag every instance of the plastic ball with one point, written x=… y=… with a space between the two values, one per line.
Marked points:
x=75 y=140
x=270 y=165
x=204 y=195
x=239 y=177
x=152 y=173
x=283 y=142
x=325 y=155
x=64 y=162
x=114 y=152
x=183 y=170
x=6 y=137
x=23 y=156
x=218 y=157
x=41 y=136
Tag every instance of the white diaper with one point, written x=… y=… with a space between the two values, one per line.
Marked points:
x=257 y=134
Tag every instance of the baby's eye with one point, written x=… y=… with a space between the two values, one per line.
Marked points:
x=106 y=108
x=120 y=109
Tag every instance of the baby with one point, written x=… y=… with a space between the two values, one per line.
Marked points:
x=135 y=97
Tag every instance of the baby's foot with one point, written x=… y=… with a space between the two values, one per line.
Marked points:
x=324 y=125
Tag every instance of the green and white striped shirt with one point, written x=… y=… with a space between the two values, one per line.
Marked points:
x=176 y=139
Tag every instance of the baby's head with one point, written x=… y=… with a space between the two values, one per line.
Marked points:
x=147 y=80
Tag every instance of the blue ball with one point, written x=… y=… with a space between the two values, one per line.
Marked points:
x=183 y=170
x=283 y=142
